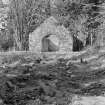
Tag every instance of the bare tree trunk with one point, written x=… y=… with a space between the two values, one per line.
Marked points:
x=18 y=44
x=91 y=39
x=25 y=44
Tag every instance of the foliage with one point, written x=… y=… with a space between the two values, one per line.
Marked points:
x=24 y=17
x=6 y=40
x=82 y=17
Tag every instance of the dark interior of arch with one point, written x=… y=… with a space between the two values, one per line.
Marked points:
x=77 y=44
x=48 y=45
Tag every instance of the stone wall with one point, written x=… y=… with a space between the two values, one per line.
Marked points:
x=50 y=27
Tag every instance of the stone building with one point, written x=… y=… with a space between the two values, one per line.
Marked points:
x=50 y=36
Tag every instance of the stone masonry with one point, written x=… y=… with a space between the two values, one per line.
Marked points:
x=50 y=26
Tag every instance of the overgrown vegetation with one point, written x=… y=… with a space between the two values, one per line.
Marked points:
x=83 y=18
x=24 y=16
x=31 y=80
x=52 y=78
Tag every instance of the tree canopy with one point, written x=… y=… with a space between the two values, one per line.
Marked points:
x=24 y=17
x=81 y=17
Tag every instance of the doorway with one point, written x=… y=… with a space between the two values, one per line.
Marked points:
x=48 y=45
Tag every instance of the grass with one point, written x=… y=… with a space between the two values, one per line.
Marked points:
x=27 y=80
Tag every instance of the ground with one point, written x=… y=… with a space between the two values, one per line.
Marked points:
x=28 y=78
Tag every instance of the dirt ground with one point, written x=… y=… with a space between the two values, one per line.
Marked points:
x=52 y=79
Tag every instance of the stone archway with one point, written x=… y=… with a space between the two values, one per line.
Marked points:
x=48 y=45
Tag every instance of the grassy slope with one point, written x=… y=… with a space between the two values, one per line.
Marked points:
x=24 y=80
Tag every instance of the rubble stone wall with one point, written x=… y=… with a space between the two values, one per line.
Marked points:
x=50 y=27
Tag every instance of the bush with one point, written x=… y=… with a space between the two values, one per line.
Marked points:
x=6 y=40
x=7 y=44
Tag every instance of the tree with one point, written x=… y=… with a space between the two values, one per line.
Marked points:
x=24 y=17
x=72 y=14
x=95 y=21
x=83 y=17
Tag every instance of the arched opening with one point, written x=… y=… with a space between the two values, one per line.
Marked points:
x=48 y=45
